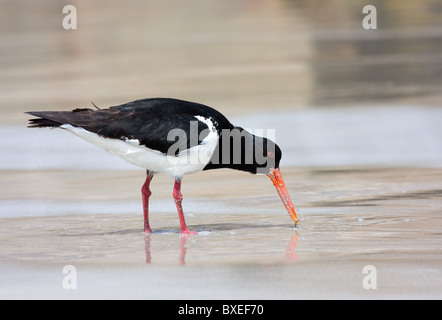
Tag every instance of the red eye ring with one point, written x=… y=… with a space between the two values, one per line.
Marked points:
x=271 y=154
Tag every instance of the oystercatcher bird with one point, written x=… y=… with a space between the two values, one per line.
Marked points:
x=173 y=137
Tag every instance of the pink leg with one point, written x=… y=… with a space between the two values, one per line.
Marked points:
x=178 y=197
x=145 y=192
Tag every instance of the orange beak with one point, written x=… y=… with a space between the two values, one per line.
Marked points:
x=276 y=177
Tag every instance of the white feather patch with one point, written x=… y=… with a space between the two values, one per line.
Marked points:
x=189 y=161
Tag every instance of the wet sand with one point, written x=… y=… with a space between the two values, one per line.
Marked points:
x=356 y=112
x=246 y=246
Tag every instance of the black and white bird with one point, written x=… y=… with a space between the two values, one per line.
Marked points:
x=173 y=137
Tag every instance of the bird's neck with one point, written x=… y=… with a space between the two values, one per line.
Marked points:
x=235 y=150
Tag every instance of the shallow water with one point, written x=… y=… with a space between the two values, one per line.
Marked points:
x=350 y=217
x=356 y=113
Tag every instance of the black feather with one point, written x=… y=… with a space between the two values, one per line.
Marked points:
x=148 y=120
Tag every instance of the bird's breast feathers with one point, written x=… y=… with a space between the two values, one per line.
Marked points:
x=186 y=161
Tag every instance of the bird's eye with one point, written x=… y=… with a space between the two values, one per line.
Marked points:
x=271 y=154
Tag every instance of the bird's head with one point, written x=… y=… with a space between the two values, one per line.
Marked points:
x=272 y=154
x=266 y=155
x=240 y=150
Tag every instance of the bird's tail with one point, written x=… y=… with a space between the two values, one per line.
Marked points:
x=44 y=119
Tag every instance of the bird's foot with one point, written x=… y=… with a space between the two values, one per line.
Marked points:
x=187 y=232
x=147 y=229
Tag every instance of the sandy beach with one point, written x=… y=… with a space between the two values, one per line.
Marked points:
x=357 y=114
x=246 y=246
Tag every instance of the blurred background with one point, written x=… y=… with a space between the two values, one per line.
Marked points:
x=356 y=112
x=336 y=93
x=235 y=55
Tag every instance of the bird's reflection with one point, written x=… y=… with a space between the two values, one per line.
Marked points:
x=147 y=248
x=290 y=253
x=183 y=248
x=183 y=241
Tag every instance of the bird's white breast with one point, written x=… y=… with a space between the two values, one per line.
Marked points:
x=188 y=161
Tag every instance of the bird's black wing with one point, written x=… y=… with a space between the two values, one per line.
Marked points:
x=160 y=124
